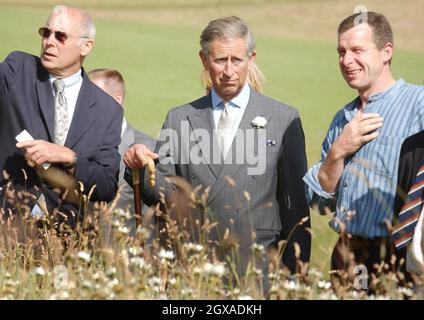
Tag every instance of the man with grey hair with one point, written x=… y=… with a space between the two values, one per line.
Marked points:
x=70 y=124
x=269 y=203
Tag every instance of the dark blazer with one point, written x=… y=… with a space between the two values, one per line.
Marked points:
x=27 y=102
x=411 y=159
x=277 y=197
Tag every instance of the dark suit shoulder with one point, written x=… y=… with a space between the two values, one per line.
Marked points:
x=411 y=158
x=413 y=142
x=185 y=109
x=22 y=56
x=19 y=62
x=21 y=69
x=108 y=104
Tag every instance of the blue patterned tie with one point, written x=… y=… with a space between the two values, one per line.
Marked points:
x=410 y=212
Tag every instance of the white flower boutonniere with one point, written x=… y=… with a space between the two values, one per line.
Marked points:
x=259 y=122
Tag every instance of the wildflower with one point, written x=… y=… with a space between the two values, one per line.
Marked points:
x=126 y=214
x=193 y=247
x=187 y=291
x=272 y=276
x=39 y=271
x=84 y=256
x=111 y=284
x=167 y=255
x=116 y=223
x=257 y=272
x=135 y=251
x=324 y=284
x=172 y=281
x=378 y=297
x=60 y=295
x=110 y=271
x=197 y=270
x=154 y=281
x=124 y=230
x=138 y=262
x=355 y=295
x=327 y=296
x=143 y=232
x=162 y=297
x=291 y=285
x=87 y=284
x=215 y=270
x=406 y=291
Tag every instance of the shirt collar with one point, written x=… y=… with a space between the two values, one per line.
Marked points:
x=69 y=81
x=241 y=100
x=124 y=126
x=380 y=95
x=352 y=108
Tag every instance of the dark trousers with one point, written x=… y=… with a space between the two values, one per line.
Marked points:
x=377 y=255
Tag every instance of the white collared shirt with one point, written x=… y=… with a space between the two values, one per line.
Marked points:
x=124 y=126
x=239 y=103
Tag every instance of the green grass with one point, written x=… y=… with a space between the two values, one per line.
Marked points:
x=161 y=67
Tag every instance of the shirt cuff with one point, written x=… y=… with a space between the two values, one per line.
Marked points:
x=313 y=185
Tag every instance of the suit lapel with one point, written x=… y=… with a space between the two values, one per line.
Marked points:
x=127 y=139
x=201 y=118
x=46 y=101
x=84 y=115
x=253 y=109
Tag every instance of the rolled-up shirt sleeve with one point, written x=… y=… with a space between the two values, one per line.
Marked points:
x=313 y=185
x=320 y=200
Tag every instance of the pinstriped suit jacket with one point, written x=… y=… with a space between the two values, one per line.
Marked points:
x=277 y=197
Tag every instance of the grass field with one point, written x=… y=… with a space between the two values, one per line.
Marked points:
x=155 y=45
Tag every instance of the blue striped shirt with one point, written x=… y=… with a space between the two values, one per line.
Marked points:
x=364 y=198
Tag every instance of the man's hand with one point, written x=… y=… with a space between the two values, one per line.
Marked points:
x=136 y=156
x=359 y=131
x=38 y=152
x=355 y=134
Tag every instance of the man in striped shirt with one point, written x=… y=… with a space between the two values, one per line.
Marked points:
x=357 y=175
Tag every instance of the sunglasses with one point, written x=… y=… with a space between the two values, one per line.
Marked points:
x=59 y=35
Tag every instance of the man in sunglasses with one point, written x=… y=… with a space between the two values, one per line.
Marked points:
x=75 y=126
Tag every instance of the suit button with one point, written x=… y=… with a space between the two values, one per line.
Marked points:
x=193 y=176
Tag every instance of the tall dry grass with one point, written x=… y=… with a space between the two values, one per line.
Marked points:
x=102 y=258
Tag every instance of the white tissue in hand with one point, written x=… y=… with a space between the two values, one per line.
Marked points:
x=25 y=136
